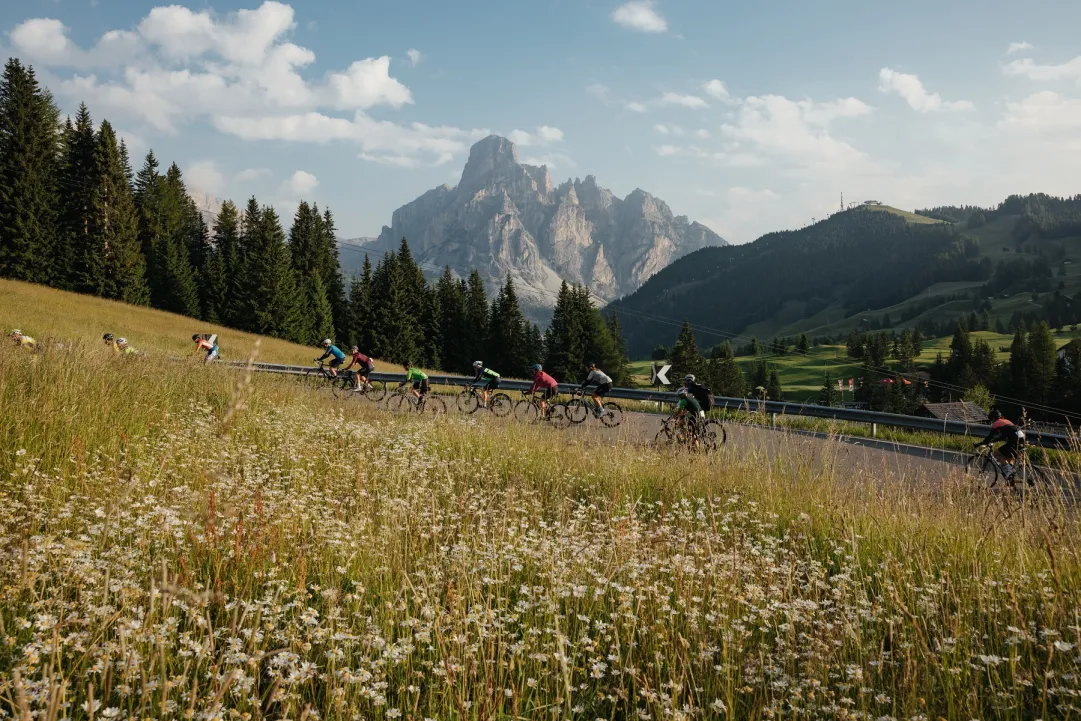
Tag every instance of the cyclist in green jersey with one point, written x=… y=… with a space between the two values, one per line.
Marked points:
x=488 y=377
x=419 y=379
x=690 y=410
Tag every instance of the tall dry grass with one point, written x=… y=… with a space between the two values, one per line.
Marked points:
x=186 y=542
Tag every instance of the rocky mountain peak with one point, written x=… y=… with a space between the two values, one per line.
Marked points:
x=506 y=218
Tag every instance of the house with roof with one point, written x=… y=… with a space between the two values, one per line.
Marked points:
x=963 y=411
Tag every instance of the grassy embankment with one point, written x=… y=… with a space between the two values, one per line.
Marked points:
x=200 y=544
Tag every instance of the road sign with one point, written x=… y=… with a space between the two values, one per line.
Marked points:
x=659 y=377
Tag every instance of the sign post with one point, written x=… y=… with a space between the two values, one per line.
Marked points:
x=659 y=379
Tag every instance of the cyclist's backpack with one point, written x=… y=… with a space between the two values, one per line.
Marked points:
x=703 y=395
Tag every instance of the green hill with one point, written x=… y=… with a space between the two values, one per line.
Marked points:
x=870 y=266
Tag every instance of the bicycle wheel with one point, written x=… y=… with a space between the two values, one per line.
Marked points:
x=982 y=470
x=313 y=378
x=376 y=391
x=708 y=438
x=526 y=410
x=665 y=439
x=559 y=416
x=342 y=388
x=613 y=415
x=434 y=406
x=501 y=404
x=577 y=410
x=400 y=403
x=468 y=401
x=718 y=430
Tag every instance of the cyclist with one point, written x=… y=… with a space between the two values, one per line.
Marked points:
x=108 y=338
x=542 y=380
x=419 y=379
x=124 y=348
x=600 y=379
x=210 y=345
x=698 y=392
x=489 y=377
x=365 y=367
x=332 y=350
x=1014 y=437
x=23 y=341
x=690 y=409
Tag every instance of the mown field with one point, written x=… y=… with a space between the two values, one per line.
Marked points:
x=204 y=544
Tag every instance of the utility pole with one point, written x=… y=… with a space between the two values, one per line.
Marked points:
x=842 y=201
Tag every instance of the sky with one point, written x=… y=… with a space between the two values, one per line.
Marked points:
x=747 y=117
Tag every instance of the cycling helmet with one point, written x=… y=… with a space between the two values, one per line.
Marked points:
x=121 y=341
x=107 y=336
x=326 y=341
x=355 y=349
x=536 y=367
x=195 y=336
x=689 y=378
x=681 y=392
x=995 y=414
x=478 y=364
x=591 y=364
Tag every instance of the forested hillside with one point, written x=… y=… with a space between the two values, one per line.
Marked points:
x=858 y=258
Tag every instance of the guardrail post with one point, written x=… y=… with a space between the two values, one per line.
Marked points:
x=773 y=419
x=874 y=430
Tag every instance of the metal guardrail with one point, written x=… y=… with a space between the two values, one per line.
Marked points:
x=779 y=408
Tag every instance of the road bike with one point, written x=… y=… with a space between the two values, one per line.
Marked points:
x=579 y=408
x=402 y=400
x=529 y=409
x=374 y=391
x=320 y=378
x=469 y=400
x=685 y=433
x=986 y=469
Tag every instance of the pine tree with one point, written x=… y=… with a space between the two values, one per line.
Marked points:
x=275 y=296
x=1044 y=357
x=1020 y=365
x=507 y=333
x=318 y=317
x=773 y=387
x=332 y=273
x=801 y=344
x=759 y=379
x=224 y=272
x=184 y=245
x=562 y=342
x=77 y=181
x=29 y=161
x=361 y=318
x=114 y=224
x=475 y=334
x=452 y=322
x=727 y=377
x=534 y=345
x=619 y=373
x=828 y=396
x=756 y=347
x=166 y=229
x=240 y=308
x=686 y=358
x=394 y=338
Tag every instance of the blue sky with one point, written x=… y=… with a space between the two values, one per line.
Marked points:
x=749 y=117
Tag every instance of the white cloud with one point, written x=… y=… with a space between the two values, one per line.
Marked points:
x=205 y=176
x=718 y=89
x=793 y=134
x=635 y=107
x=238 y=72
x=415 y=56
x=1018 y=47
x=1043 y=113
x=668 y=150
x=367 y=83
x=545 y=135
x=299 y=185
x=601 y=92
x=686 y=101
x=640 y=15
x=1070 y=70
x=668 y=129
x=911 y=89
x=249 y=174
x=552 y=160
x=703 y=133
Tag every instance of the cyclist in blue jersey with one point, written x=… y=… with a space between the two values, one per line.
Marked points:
x=331 y=350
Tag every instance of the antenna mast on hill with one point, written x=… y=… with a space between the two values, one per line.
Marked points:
x=842 y=201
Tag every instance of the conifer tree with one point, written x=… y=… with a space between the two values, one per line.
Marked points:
x=828 y=396
x=507 y=333
x=394 y=337
x=317 y=316
x=78 y=179
x=774 y=391
x=361 y=318
x=726 y=377
x=685 y=355
x=243 y=281
x=476 y=317
x=29 y=160
x=534 y=346
x=562 y=341
x=452 y=322
x=224 y=271
x=113 y=222
x=184 y=245
x=275 y=297
x=332 y=272
x=1043 y=357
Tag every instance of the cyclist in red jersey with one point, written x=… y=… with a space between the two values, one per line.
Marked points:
x=365 y=367
x=542 y=380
